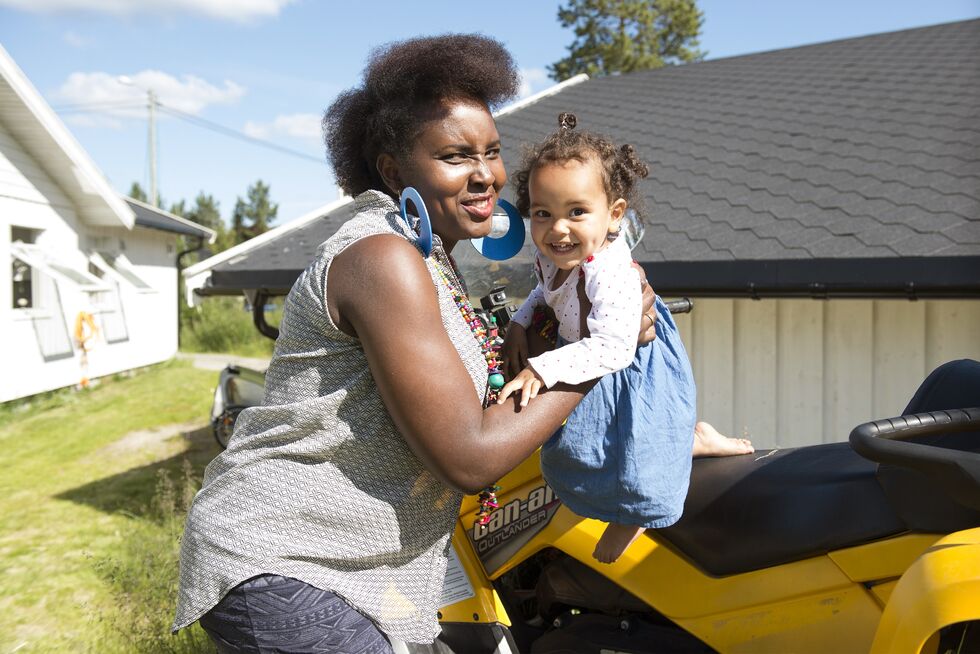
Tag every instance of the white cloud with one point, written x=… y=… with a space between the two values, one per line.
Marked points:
x=232 y=10
x=116 y=99
x=301 y=126
x=75 y=40
x=533 y=80
x=94 y=120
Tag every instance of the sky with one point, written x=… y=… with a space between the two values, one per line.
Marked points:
x=267 y=69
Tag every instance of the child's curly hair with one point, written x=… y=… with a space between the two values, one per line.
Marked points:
x=620 y=166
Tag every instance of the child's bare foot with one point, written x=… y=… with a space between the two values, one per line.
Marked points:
x=615 y=539
x=709 y=442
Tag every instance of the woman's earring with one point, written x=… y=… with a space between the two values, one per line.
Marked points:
x=409 y=194
x=501 y=248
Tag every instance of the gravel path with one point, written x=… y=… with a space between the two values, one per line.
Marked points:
x=209 y=361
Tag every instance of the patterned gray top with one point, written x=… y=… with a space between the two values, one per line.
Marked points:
x=317 y=483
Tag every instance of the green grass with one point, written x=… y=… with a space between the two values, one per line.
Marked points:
x=92 y=498
x=221 y=324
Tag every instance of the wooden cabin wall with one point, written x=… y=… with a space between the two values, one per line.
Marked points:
x=791 y=372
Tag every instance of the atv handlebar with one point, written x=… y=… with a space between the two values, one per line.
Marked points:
x=955 y=471
x=683 y=305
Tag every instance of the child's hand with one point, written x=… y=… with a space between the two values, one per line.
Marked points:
x=514 y=350
x=527 y=381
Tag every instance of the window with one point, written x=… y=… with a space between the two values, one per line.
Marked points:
x=119 y=266
x=37 y=291
x=37 y=276
x=23 y=280
x=108 y=304
x=41 y=261
x=24 y=234
x=23 y=285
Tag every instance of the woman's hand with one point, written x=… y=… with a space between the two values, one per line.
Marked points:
x=648 y=321
x=514 y=350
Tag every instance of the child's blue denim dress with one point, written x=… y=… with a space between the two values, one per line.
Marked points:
x=624 y=455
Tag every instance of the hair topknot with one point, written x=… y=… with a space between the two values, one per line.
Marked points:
x=401 y=80
x=621 y=167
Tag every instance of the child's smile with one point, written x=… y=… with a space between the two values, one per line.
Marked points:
x=563 y=249
x=570 y=213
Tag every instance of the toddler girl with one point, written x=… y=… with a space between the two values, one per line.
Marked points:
x=624 y=455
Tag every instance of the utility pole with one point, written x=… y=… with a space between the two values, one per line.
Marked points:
x=151 y=105
x=152 y=146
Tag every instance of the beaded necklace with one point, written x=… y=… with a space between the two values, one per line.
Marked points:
x=487 y=337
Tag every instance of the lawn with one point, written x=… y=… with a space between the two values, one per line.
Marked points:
x=92 y=495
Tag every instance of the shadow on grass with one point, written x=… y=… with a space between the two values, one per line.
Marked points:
x=131 y=492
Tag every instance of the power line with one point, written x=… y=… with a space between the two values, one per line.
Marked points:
x=233 y=133
x=108 y=107
x=98 y=107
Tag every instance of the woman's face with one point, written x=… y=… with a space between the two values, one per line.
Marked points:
x=455 y=166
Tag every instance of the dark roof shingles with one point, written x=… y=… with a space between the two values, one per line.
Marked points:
x=866 y=147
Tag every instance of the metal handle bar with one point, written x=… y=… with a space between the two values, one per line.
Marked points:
x=683 y=305
x=956 y=471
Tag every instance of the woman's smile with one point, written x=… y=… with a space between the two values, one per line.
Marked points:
x=456 y=167
x=480 y=207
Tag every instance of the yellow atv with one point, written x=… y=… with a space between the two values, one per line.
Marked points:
x=867 y=546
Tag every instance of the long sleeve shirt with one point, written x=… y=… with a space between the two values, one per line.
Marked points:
x=613 y=287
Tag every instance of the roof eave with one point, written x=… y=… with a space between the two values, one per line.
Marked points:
x=181 y=225
x=39 y=131
x=887 y=278
x=271 y=235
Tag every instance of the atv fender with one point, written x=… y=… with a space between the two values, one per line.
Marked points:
x=941 y=588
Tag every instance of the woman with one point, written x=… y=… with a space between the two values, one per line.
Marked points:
x=326 y=522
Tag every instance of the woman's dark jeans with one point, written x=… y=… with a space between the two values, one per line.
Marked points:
x=278 y=614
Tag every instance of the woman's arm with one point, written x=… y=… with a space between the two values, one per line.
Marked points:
x=379 y=289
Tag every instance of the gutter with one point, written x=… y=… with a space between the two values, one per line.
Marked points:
x=909 y=278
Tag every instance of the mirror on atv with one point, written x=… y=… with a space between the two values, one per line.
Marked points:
x=632 y=229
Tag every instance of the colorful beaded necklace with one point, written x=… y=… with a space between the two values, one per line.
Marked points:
x=489 y=345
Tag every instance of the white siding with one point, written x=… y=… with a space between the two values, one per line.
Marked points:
x=795 y=372
x=21 y=178
x=30 y=198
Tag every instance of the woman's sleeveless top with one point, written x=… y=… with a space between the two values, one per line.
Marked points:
x=317 y=483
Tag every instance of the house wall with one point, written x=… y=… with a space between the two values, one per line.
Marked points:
x=151 y=317
x=792 y=372
x=30 y=198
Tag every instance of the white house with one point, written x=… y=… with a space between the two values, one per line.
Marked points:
x=82 y=261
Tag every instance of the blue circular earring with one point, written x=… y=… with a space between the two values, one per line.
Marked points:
x=503 y=247
x=409 y=194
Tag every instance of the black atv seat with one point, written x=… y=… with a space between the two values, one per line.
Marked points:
x=749 y=512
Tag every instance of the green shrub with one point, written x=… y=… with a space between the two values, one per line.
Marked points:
x=143 y=575
x=224 y=324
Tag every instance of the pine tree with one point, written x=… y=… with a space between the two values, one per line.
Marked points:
x=620 y=36
x=252 y=217
x=205 y=212
x=179 y=208
x=137 y=193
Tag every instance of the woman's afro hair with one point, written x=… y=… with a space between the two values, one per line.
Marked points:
x=403 y=79
x=621 y=167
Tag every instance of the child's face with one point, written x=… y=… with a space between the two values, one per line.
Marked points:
x=570 y=213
